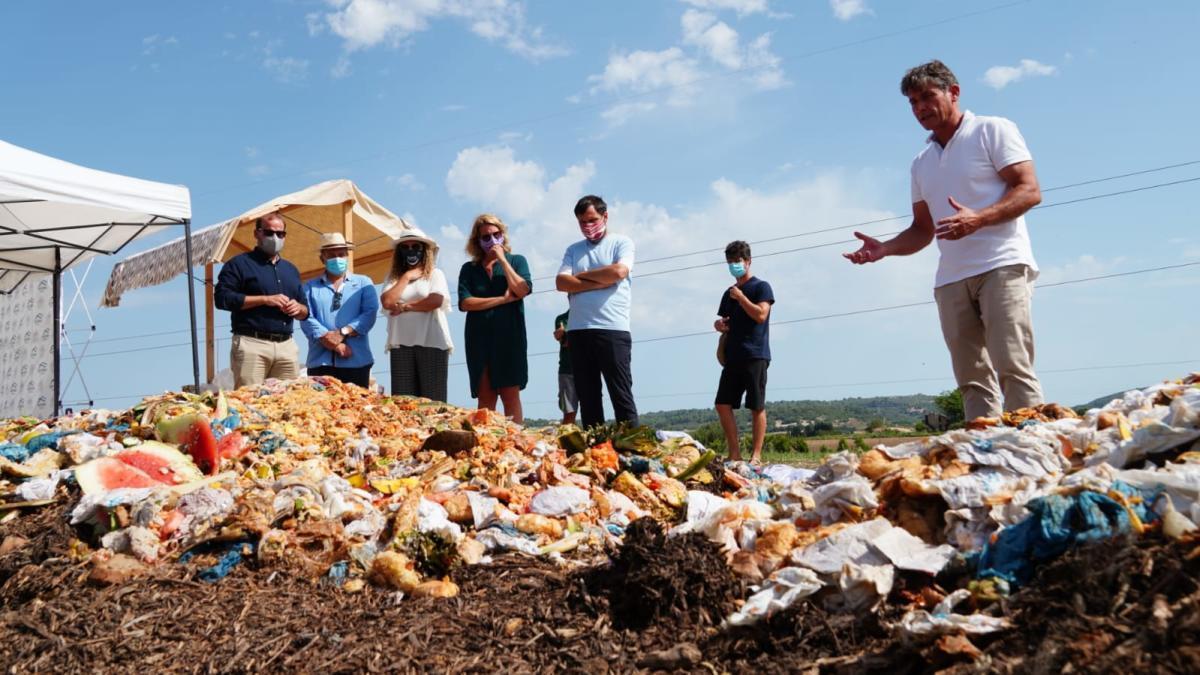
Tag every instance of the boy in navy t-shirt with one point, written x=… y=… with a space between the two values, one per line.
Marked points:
x=745 y=313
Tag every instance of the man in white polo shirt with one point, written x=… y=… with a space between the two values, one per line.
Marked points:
x=971 y=186
x=595 y=276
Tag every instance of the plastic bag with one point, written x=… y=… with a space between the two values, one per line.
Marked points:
x=782 y=590
x=560 y=501
x=921 y=623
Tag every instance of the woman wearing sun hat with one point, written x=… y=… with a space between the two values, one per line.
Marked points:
x=491 y=288
x=417 y=300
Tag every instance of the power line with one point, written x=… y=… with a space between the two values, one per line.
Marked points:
x=820 y=317
x=816 y=246
x=888 y=308
x=914 y=380
x=609 y=101
x=847 y=241
x=908 y=216
x=809 y=233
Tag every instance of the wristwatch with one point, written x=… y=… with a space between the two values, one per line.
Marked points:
x=345 y=331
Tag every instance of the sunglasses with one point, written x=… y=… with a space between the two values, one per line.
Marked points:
x=278 y=234
x=495 y=237
x=337 y=300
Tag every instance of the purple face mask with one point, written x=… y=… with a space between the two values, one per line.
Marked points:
x=486 y=242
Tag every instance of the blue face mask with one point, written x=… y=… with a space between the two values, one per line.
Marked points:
x=336 y=266
x=737 y=269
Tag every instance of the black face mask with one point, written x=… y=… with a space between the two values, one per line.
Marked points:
x=412 y=258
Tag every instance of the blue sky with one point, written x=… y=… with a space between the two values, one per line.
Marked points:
x=700 y=121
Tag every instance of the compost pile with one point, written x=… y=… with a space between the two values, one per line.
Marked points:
x=316 y=526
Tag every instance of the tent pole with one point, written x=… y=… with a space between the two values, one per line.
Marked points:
x=209 y=329
x=191 y=282
x=56 y=285
x=348 y=230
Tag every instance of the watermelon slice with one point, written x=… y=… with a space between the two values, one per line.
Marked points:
x=193 y=434
x=161 y=462
x=198 y=442
x=150 y=464
x=172 y=430
x=232 y=445
x=107 y=473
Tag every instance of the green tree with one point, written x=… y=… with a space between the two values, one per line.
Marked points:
x=842 y=445
x=861 y=445
x=711 y=435
x=799 y=445
x=876 y=425
x=951 y=405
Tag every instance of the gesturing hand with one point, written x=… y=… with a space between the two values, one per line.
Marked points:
x=721 y=325
x=964 y=222
x=871 y=251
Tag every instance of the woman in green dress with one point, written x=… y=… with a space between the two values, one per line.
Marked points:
x=491 y=288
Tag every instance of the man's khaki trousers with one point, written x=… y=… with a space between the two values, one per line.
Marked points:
x=253 y=360
x=988 y=328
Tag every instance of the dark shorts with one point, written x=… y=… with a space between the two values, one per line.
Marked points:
x=744 y=377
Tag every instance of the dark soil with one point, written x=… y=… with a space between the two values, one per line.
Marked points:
x=1119 y=606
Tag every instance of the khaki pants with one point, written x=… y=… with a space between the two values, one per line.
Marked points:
x=986 y=323
x=253 y=360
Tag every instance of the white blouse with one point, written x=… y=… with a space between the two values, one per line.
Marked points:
x=421 y=329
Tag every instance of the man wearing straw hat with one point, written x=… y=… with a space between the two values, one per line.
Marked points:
x=262 y=293
x=342 y=309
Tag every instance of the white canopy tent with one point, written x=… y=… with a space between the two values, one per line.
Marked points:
x=55 y=215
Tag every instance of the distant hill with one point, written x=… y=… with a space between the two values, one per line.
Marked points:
x=845 y=413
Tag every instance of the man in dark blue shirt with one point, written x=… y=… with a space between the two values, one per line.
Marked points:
x=263 y=294
x=745 y=313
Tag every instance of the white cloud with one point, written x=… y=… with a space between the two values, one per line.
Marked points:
x=999 y=77
x=492 y=177
x=453 y=107
x=715 y=38
x=315 y=23
x=676 y=74
x=623 y=112
x=742 y=7
x=152 y=43
x=406 y=181
x=844 y=10
x=366 y=23
x=251 y=152
x=258 y=170
x=1086 y=265
x=341 y=68
x=514 y=136
x=642 y=71
x=765 y=65
x=286 y=69
x=538 y=211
